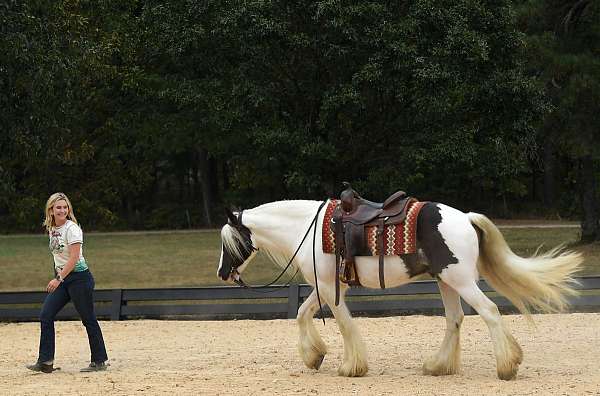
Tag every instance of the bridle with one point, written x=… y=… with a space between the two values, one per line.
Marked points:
x=239 y=281
x=233 y=273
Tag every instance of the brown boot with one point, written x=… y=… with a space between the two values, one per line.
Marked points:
x=100 y=366
x=39 y=366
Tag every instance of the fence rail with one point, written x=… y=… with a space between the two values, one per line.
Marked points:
x=226 y=302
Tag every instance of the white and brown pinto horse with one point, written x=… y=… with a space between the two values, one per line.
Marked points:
x=456 y=248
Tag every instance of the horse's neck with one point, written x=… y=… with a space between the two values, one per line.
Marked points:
x=280 y=226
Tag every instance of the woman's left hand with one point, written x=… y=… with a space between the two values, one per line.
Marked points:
x=52 y=285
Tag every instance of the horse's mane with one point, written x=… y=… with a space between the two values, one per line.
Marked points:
x=286 y=207
x=232 y=239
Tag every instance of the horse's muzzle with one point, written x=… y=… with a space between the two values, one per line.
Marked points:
x=234 y=276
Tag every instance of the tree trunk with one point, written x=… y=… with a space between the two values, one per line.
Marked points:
x=196 y=182
x=590 y=229
x=205 y=175
x=549 y=197
x=225 y=176
x=213 y=167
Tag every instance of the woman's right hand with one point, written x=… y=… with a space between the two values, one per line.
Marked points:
x=52 y=285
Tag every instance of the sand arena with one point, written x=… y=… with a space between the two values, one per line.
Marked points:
x=245 y=357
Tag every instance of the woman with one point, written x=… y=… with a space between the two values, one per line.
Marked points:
x=73 y=282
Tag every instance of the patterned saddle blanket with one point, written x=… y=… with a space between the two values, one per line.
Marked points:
x=399 y=239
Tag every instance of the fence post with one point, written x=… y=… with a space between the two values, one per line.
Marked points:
x=293 y=299
x=116 y=299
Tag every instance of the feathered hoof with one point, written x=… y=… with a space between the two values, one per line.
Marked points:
x=353 y=369
x=314 y=361
x=508 y=373
x=434 y=367
x=318 y=362
x=507 y=370
x=312 y=354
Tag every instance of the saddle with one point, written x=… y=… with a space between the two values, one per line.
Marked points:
x=348 y=223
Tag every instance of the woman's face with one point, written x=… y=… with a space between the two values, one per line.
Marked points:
x=60 y=210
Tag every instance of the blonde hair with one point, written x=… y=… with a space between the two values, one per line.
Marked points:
x=49 y=222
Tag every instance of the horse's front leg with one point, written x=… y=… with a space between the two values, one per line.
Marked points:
x=311 y=346
x=355 y=353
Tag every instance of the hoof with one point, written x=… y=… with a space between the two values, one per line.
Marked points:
x=433 y=368
x=507 y=369
x=349 y=370
x=315 y=361
x=509 y=374
x=318 y=362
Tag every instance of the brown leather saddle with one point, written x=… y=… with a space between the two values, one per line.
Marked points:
x=348 y=223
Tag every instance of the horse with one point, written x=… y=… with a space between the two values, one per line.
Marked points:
x=454 y=247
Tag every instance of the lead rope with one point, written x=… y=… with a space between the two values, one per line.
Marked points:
x=315 y=265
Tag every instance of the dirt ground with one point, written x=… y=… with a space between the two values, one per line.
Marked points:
x=561 y=357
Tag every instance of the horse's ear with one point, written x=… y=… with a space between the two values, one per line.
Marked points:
x=231 y=218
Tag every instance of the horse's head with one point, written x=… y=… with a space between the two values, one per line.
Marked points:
x=237 y=249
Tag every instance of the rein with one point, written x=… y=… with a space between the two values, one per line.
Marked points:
x=241 y=283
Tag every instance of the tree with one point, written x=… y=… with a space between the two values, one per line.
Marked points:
x=153 y=114
x=563 y=38
x=37 y=97
x=425 y=95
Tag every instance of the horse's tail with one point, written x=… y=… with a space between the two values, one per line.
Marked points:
x=542 y=281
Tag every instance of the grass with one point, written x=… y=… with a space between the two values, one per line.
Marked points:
x=124 y=260
x=180 y=259
x=525 y=242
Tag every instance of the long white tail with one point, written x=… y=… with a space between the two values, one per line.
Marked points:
x=541 y=282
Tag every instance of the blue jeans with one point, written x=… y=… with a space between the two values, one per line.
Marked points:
x=79 y=288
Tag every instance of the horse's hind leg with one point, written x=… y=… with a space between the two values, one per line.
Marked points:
x=508 y=352
x=451 y=243
x=311 y=346
x=447 y=360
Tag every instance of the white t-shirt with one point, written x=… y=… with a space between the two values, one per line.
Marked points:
x=60 y=239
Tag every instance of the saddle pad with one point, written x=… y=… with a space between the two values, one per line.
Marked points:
x=398 y=238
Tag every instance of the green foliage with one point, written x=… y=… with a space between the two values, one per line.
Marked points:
x=562 y=43
x=38 y=97
x=145 y=111
x=365 y=89
x=563 y=47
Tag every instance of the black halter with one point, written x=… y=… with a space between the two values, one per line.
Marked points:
x=248 y=246
x=241 y=225
x=241 y=283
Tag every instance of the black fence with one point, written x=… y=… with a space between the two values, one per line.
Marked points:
x=229 y=302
